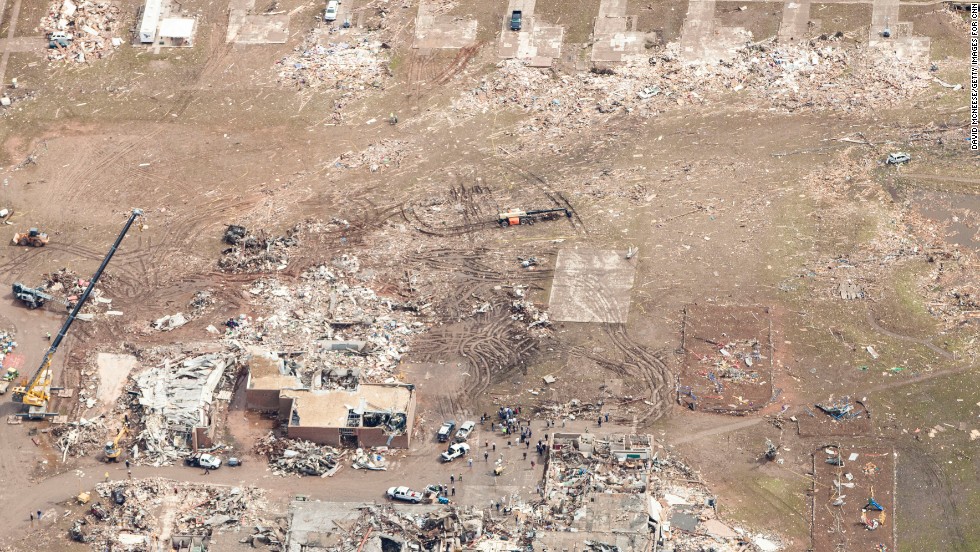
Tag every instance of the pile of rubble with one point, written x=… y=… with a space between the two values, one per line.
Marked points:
x=685 y=513
x=67 y=286
x=580 y=465
x=258 y=251
x=524 y=310
x=384 y=527
x=348 y=66
x=819 y=75
x=622 y=492
x=735 y=362
x=7 y=346
x=176 y=398
x=334 y=321
x=81 y=32
x=131 y=515
x=81 y=437
x=289 y=456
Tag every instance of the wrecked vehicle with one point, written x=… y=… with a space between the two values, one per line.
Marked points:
x=75 y=532
x=898 y=158
x=99 y=512
x=464 y=431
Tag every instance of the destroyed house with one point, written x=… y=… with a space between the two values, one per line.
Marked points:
x=371 y=415
x=176 y=402
x=336 y=409
x=268 y=374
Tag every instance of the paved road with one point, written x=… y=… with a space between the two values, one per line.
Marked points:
x=14 y=14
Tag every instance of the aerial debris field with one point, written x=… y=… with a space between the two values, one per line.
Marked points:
x=391 y=275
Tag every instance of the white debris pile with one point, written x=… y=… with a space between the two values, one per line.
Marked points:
x=825 y=75
x=80 y=32
x=170 y=322
x=524 y=310
x=370 y=460
x=81 y=437
x=155 y=506
x=289 y=456
x=339 y=323
x=175 y=398
x=350 y=66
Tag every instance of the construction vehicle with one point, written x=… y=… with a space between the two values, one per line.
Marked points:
x=36 y=392
x=32 y=238
x=112 y=450
x=516 y=216
x=34 y=298
x=10 y=376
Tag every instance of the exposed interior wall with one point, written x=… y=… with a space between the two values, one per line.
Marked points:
x=262 y=399
x=319 y=435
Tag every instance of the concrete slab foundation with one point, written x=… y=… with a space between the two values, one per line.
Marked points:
x=592 y=286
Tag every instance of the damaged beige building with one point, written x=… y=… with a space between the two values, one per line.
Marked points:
x=350 y=415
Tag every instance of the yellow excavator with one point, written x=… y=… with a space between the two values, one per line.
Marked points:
x=112 y=450
x=36 y=392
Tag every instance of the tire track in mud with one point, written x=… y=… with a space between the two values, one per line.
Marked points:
x=637 y=363
x=937 y=485
x=556 y=197
x=409 y=215
x=473 y=278
x=417 y=72
x=470 y=263
x=462 y=59
x=491 y=342
x=88 y=171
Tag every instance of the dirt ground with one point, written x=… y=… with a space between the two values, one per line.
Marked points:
x=729 y=202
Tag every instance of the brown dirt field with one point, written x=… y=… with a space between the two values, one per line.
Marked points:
x=704 y=382
x=728 y=204
x=872 y=475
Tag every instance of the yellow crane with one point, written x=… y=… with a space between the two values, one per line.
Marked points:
x=36 y=392
x=112 y=450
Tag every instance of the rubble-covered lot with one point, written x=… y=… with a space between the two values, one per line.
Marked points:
x=821 y=75
x=158 y=510
x=93 y=29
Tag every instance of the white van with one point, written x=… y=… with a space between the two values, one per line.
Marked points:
x=331 y=13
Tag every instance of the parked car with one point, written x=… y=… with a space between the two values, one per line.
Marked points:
x=464 y=431
x=404 y=493
x=515 y=20
x=333 y=6
x=203 y=460
x=446 y=430
x=455 y=451
x=118 y=496
x=234 y=462
x=898 y=158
